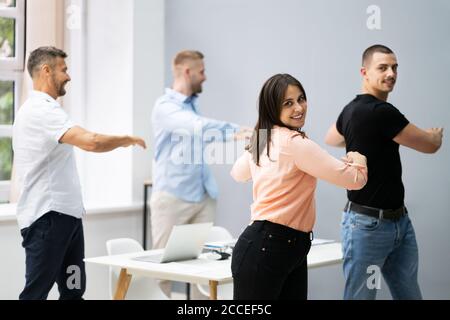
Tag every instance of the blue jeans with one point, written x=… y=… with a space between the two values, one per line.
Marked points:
x=373 y=247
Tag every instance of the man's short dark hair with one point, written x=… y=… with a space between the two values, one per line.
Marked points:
x=43 y=55
x=370 y=51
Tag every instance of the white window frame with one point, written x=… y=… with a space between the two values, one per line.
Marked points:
x=11 y=69
x=6 y=130
x=18 y=13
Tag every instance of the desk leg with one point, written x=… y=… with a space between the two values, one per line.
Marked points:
x=122 y=285
x=144 y=223
x=188 y=291
x=212 y=290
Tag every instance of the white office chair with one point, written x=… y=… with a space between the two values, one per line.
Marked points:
x=224 y=291
x=141 y=288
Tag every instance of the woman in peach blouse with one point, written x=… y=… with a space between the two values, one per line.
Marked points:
x=269 y=259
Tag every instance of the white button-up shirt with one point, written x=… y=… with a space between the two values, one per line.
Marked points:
x=46 y=171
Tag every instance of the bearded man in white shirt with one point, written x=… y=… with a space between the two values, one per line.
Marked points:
x=50 y=205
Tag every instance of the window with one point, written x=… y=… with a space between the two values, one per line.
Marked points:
x=12 y=43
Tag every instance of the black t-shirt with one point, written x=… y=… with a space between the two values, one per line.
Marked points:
x=369 y=125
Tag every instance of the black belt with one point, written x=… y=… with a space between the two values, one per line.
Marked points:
x=389 y=214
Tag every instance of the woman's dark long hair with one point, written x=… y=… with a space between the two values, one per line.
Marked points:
x=270 y=103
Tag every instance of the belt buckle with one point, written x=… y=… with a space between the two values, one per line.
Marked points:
x=395 y=215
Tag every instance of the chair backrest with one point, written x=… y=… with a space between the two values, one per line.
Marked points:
x=219 y=234
x=122 y=245
x=141 y=288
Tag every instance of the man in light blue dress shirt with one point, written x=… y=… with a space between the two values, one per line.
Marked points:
x=184 y=189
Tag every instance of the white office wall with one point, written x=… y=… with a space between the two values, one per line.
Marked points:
x=148 y=81
x=109 y=97
x=321 y=42
x=119 y=58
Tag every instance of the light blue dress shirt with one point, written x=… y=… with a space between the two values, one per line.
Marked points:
x=180 y=137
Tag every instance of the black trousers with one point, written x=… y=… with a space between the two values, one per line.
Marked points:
x=269 y=263
x=54 y=252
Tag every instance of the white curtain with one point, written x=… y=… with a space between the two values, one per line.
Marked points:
x=45 y=27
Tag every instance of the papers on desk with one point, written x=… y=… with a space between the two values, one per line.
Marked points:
x=221 y=245
x=317 y=242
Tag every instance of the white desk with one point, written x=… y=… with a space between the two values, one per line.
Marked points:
x=201 y=271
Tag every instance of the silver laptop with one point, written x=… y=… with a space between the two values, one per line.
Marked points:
x=185 y=243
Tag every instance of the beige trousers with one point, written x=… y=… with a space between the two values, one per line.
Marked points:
x=168 y=211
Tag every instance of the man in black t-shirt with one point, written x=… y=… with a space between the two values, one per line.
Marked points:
x=377 y=234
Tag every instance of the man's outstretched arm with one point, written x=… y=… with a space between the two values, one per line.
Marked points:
x=334 y=138
x=426 y=141
x=95 y=142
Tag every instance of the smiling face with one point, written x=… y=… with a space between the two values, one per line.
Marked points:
x=380 y=74
x=293 y=107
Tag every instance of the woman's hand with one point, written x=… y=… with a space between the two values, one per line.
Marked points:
x=355 y=157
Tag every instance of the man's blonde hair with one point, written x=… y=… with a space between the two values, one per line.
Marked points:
x=187 y=55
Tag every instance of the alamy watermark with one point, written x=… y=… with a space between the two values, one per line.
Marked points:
x=374 y=20
x=74 y=279
x=374 y=280
x=196 y=146
x=73 y=17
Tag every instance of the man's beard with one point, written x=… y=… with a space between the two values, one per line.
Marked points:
x=60 y=90
x=197 y=89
